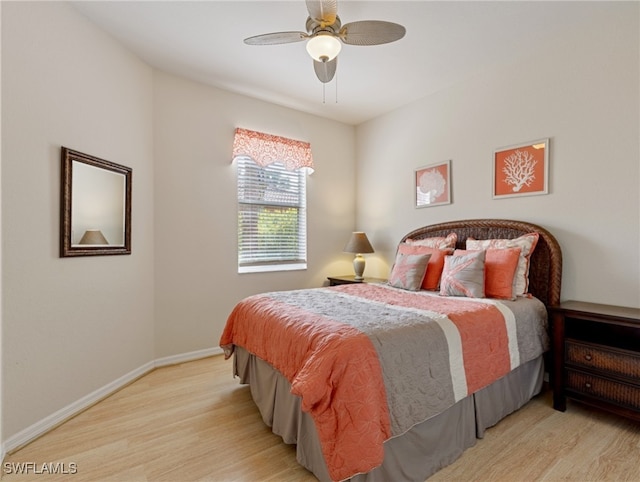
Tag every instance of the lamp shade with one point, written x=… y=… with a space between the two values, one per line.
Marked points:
x=93 y=236
x=324 y=47
x=358 y=243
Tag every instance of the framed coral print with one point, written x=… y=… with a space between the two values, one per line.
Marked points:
x=521 y=170
x=433 y=185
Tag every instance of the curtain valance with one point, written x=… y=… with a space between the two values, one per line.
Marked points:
x=266 y=149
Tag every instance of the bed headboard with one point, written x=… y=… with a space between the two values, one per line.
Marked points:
x=545 y=270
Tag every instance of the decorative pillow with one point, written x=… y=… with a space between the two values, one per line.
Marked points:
x=499 y=271
x=463 y=275
x=526 y=243
x=436 y=262
x=448 y=242
x=408 y=271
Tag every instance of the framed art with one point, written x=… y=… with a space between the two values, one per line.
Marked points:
x=521 y=170
x=433 y=185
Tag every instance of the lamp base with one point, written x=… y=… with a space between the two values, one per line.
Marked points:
x=358 y=267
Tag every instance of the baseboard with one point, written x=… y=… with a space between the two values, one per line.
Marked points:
x=39 y=428
x=186 y=357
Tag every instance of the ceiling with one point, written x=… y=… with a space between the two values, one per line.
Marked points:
x=446 y=42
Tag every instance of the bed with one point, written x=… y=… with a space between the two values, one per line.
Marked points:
x=379 y=382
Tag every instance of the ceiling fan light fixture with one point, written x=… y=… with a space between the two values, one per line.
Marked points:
x=325 y=35
x=324 y=47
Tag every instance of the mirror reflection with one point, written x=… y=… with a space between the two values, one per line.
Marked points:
x=97 y=206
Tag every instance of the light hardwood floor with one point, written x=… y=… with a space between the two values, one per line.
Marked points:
x=193 y=421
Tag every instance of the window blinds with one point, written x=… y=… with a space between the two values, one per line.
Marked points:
x=271 y=217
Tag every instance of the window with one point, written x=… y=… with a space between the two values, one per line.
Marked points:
x=272 y=214
x=272 y=218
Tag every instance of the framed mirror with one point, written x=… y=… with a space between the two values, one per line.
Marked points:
x=95 y=206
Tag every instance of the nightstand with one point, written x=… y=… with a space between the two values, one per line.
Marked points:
x=596 y=357
x=350 y=279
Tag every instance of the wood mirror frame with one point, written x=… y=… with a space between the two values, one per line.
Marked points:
x=107 y=204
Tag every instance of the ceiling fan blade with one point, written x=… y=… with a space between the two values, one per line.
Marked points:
x=324 y=11
x=325 y=70
x=371 y=32
x=276 y=38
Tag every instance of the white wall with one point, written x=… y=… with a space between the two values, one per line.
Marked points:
x=581 y=91
x=197 y=283
x=70 y=325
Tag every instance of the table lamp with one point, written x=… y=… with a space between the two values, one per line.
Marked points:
x=93 y=236
x=358 y=244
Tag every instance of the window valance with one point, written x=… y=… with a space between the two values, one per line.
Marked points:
x=266 y=149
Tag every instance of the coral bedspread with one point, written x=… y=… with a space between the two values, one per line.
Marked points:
x=370 y=361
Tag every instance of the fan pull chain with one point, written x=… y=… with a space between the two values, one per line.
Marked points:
x=324 y=91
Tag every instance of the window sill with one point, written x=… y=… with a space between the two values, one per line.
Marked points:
x=272 y=268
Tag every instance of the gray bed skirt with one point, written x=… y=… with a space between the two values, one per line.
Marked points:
x=413 y=456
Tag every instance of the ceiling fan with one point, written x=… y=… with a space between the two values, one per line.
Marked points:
x=325 y=35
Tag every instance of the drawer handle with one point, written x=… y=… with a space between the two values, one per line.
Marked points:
x=588 y=357
x=587 y=385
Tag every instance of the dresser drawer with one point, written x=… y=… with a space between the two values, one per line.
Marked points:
x=612 y=361
x=604 y=389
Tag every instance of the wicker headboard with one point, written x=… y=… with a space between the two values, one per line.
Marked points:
x=545 y=271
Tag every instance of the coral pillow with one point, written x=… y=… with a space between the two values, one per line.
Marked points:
x=463 y=275
x=526 y=243
x=408 y=271
x=439 y=242
x=499 y=271
x=436 y=263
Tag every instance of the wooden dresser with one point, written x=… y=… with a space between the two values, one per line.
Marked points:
x=596 y=356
